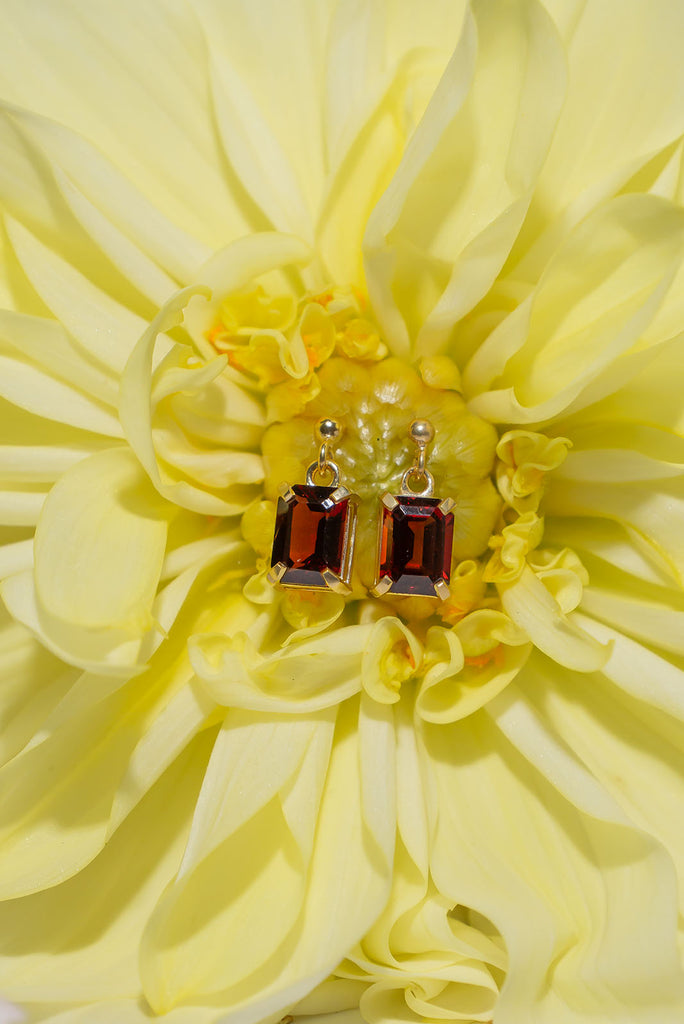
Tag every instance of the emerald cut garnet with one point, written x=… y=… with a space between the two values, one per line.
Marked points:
x=314 y=528
x=415 y=546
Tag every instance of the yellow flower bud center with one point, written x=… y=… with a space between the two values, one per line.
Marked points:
x=323 y=355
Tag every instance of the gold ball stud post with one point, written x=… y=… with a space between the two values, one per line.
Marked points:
x=421 y=432
x=327 y=430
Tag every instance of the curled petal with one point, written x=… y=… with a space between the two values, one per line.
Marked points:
x=512 y=547
x=302 y=677
x=391 y=656
x=234 y=267
x=99 y=549
x=563 y=575
x=534 y=610
x=484 y=652
x=136 y=412
x=309 y=613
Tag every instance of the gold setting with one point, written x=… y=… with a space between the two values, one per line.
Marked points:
x=326 y=431
x=422 y=433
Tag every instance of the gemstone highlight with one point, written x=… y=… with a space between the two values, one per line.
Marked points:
x=313 y=536
x=416 y=537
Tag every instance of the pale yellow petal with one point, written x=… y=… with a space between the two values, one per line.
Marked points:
x=21 y=507
x=391 y=656
x=302 y=677
x=62 y=796
x=133 y=1011
x=23 y=464
x=472 y=663
x=649 y=391
x=32 y=683
x=308 y=612
x=135 y=410
x=642 y=609
x=108 y=651
x=627 y=728
x=37 y=188
x=534 y=610
x=147 y=69
x=652 y=508
x=381 y=69
x=239 y=814
x=104 y=328
x=267 y=109
x=335 y=886
x=131 y=230
x=377 y=756
x=28 y=387
x=629 y=250
x=46 y=344
x=640 y=672
x=625 y=68
x=100 y=544
x=579 y=949
x=78 y=942
x=606 y=540
x=255 y=756
x=451 y=213
x=412 y=816
x=16 y=557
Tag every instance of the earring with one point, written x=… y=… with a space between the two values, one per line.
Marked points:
x=416 y=531
x=315 y=528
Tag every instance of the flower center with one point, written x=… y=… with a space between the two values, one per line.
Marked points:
x=323 y=356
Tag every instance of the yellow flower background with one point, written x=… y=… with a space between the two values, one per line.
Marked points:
x=221 y=220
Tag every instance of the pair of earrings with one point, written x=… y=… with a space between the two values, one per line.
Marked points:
x=313 y=544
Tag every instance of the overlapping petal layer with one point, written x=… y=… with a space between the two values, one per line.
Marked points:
x=224 y=803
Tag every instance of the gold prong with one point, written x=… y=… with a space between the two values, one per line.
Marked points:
x=276 y=573
x=339 y=494
x=446 y=506
x=286 y=492
x=389 y=501
x=442 y=590
x=381 y=587
x=334 y=582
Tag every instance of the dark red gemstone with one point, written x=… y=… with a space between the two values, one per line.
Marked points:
x=310 y=535
x=415 y=545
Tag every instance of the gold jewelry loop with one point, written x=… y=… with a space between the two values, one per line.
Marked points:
x=414 y=473
x=325 y=431
x=421 y=433
x=322 y=469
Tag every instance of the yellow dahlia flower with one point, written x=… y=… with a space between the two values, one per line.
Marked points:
x=221 y=221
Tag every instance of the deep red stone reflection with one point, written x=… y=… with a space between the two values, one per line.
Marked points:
x=310 y=535
x=415 y=545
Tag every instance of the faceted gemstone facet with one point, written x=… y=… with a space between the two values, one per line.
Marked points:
x=415 y=545
x=312 y=535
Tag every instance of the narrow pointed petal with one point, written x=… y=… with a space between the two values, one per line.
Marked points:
x=487 y=129
x=146 y=69
x=630 y=250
